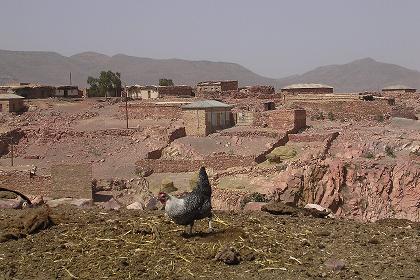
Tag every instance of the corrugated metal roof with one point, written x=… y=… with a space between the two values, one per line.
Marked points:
x=396 y=87
x=307 y=86
x=203 y=104
x=7 y=96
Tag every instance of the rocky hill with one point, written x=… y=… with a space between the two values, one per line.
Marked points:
x=362 y=74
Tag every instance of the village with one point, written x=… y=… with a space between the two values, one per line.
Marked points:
x=58 y=144
x=343 y=155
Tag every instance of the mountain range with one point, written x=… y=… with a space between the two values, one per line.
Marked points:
x=53 y=69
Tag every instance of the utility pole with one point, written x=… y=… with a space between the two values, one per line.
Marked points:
x=126 y=106
x=70 y=78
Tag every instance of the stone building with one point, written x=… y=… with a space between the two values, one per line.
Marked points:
x=398 y=89
x=307 y=89
x=175 y=91
x=67 y=91
x=204 y=117
x=217 y=86
x=284 y=119
x=30 y=91
x=146 y=92
x=10 y=102
x=257 y=89
x=154 y=92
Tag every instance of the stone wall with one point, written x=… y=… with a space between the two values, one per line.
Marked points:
x=22 y=182
x=258 y=89
x=282 y=119
x=229 y=85
x=195 y=122
x=235 y=94
x=175 y=91
x=295 y=91
x=65 y=181
x=314 y=137
x=355 y=109
x=221 y=162
x=71 y=180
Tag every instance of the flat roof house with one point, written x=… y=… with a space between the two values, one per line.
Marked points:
x=398 y=89
x=204 y=117
x=217 y=86
x=67 y=91
x=307 y=88
x=30 y=91
x=10 y=102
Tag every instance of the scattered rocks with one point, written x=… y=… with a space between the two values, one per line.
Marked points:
x=111 y=204
x=254 y=206
x=279 y=208
x=335 y=264
x=79 y=202
x=135 y=206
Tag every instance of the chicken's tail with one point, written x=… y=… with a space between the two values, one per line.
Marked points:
x=203 y=184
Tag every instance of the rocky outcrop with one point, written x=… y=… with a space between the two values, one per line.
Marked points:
x=363 y=190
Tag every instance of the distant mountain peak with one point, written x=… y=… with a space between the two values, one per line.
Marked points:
x=364 y=60
x=90 y=54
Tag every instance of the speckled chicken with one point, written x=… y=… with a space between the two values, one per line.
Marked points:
x=195 y=205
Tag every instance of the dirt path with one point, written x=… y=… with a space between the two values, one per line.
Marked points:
x=94 y=244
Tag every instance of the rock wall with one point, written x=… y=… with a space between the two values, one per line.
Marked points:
x=355 y=110
x=151 y=111
x=364 y=191
x=220 y=162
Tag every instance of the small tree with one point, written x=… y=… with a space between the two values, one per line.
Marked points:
x=108 y=83
x=166 y=82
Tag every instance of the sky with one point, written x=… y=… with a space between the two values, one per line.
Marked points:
x=273 y=38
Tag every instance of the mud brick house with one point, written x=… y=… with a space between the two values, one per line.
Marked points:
x=175 y=91
x=307 y=89
x=10 y=102
x=30 y=91
x=398 y=89
x=204 y=117
x=148 y=92
x=257 y=89
x=217 y=86
x=282 y=119
x=67 y=91
x=244 y=114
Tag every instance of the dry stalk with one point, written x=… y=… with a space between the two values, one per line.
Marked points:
x=70 y=274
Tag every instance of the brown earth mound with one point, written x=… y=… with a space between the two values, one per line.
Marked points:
x=125 y=244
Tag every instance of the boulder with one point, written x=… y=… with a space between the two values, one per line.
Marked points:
x=79 y=202
x=254 y=206
x=136 y=206
x=15 y=203
x=111 y=204
x=279 y=208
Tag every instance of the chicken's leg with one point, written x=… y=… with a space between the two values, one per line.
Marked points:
x=188 y=229
x=210 y=225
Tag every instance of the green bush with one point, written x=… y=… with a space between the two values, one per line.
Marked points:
x=379 y=118
x=389 y=151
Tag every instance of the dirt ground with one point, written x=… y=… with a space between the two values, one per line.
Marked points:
x=98 y=244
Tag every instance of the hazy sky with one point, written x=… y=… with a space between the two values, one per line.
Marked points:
x=272 y=38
